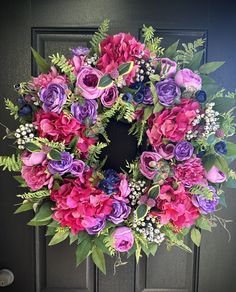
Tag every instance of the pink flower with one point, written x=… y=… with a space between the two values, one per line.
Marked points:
x=34 y=158
x=124 y=189
x=172 y=124
x=166 y=151
x=87 y=81
x=123 y=239
x=190 y=172
x=148 y=162
x=109 y=96
x=189 y=80
x=214 y=175
x=36 y=177
x=119 y=49
x=168 y=67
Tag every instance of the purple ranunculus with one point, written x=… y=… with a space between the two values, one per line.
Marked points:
x=101 y=223
x=168 y=67
x=167 y=91
x=61 y=166
x=109 y=96
x=77 y=168
x=120 y=212
x=183 y=150
x=87 y=110
x=148 y=99
x=148 y=162
x=206 y=205
x=53 y=97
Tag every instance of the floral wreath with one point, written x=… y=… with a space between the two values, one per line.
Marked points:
x=179 y=116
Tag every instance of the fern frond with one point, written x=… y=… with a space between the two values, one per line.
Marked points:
x=99 y=35
x=11 y=163
x=126 y=111
x=152 y=42
x=138 y=130
x=12 y=108
x=35 y=195
x=108 y=242
x=55 y=145
x=94 y=152
x=62 y=63
x=202 y=190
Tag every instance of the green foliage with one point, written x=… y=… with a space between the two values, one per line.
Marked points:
x=173 y=240
x=61 y=235
x=152 y=42
x=83 y=251
x=133 y=169
x=110 y=113
x=99 y=259
x=11 y=163
x=43 y=215
x=138 y=130
x=51 y=144
x=25 y=206
x=204 y=223
x=154 y=191
x=210 y=67
x=105 y=82
x=126 y=111
x=94 y=152
x=109 y=242
x=54 y=155
x=171 y=51
x=33 y=146
x=196 y=236
x=62 y=63
x=42 y=64
x=141 y=211
x=228 y=124
x=12 y=108
x=99 y=35
x=35 y=195
x=199 y=189
x=217 y=160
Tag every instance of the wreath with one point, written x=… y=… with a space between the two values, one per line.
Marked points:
x=180 y=117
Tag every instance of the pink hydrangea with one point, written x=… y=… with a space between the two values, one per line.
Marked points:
x=190 y=172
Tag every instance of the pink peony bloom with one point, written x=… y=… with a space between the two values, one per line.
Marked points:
x=214 y=175
x=109 y=96
x=172 y=124
x=166 y=151
x=168 y=67
x=87 y=81
x=32 y=158
x=190 y=172
x=148 y=162
x=189 y=80
x=123 y=239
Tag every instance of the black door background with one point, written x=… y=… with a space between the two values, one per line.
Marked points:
x=56 y=25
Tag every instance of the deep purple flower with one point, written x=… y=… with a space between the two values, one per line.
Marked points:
x=221 y=147
x=80 y=51
x=109 y=96
x=110 y=183
x=77 y=168
x=86 y=110
x=120 y=212
x=53 y=98
x=61 y=166
x=167 y=91
x=183 y=150
x=148 y=99
x=98 y=227
x=206 y=205
x=25 y=110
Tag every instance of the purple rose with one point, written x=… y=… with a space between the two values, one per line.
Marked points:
x=168 y=67
x=61 y=166
x=183 y=150
x=77 y=168
x=120 y=212
x=206 y=205
x=53 y=97
x=109 y=96
x=123 y=239
x=189 y=80
x=148 y=99
x=167 y=91
x=86 y=110
x=148 y=162
x=101 y=223
x=166 y=151
x=87 y=81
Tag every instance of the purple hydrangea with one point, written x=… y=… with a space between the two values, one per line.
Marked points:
x=98 y=227
x=61 y=166
x=86 y=110
x=167 y=91
x=206 y=205
x=183 y=150
x=120 y=212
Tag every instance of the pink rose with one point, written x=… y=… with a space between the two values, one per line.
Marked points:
x=87 y=81
x=168 y=67
x=34 y=158
x=148 y=162
x=166 y=151
x=187 y=79
x=214 y=175
x=109 y=96
x=123 y=239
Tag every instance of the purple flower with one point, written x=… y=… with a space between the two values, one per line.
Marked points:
x=206 y=205
x=183 y=150
x=148 y=99
x=123 y=239
x=109 y=96
x=98 y=227
x=53 y=97
x=61 y=166
x=148 y=161
x=168 y=67
x=80 y=51
x=120 y=212
x=167 y=92
x=86 y=110
x=77 y=168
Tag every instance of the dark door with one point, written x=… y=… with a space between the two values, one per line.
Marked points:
x=57 y=25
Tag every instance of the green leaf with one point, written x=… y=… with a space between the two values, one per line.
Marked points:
x=196 y=61
x=42 y=64
x=203 y=223
x=231 y=150
x=125 y=68
x=196 y=236
x=211 y=139
x=26 y=206
x=59 y=237
x=33 y=147
x=73 y=143
x=141 y=211
x=43 y=216
x=100 y=244
x=105 y=82
x=158 y=107
x=154 y=191
x=230 y=183
x=147 y=113
x=222 y=164
x=54 y=155
x=208 y=161
x=20 y=180
x=155 y=77
x=210 y=67
x=222 y=201
x=82 y=235
x=73 y=238
x=83 y=251
x=99 y=259
x=170 y=52
x=154 y=93
x=209 y=85
x=152 y=248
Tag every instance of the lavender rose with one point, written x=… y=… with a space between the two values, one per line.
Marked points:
x=206 y=205
x=98 y=227
x=214 y=175
x=87 y=110
x=168 y=67
x=120 y=212
x=183 y=150
x=53 y=97
x=167 y=92
x=77 y=168
x=87 y=81
x=148 y=99
x=109 y=96
x=80 y=51
x=166 y=151
x=189 y=80
x=61 y=166
x=148 y=162
x=123 y=239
